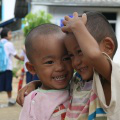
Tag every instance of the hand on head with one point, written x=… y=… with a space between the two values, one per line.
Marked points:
x=70 y=23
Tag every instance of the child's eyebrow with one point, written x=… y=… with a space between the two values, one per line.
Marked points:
x=47 y=57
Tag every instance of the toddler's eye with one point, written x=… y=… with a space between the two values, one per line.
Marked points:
x=71 y=55
x=66 y=58
x=79 y=52
x=49 y=62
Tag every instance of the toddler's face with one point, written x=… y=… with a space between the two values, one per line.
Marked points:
x=9 y=35
x=79 y=62
x=52 y=63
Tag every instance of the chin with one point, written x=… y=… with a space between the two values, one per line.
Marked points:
x=61 y=87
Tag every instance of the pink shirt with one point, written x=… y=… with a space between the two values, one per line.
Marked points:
x=45 y=105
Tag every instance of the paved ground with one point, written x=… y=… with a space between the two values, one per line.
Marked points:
x=10 y=113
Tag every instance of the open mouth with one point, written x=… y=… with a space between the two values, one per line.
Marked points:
x=60 y=78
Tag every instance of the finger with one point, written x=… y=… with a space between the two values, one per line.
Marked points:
x=18 y=100
x=64 y=22
x=64 y=29
x=26 y=93
x=67 y=18
x=22 y=101
x=21 y=95
x=84 y=18
x=75 y=14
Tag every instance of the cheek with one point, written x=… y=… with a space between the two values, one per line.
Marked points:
x=73 y=64
x=70 y=67
x=44 y=74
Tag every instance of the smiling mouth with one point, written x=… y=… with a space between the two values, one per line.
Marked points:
x=83 y=69
x=60 y=78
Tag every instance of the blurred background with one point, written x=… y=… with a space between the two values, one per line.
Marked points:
x=23 y=15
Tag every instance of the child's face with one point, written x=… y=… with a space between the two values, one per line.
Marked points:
x=51 y=62
x=79 y=62
x=9 y=35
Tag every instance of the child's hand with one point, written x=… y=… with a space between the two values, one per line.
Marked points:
x=71 y=23
x=24 y=92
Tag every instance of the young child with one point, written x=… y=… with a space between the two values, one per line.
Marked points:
x=6 y=76
x=96 y=88
x=50 y=61
x=96 y=96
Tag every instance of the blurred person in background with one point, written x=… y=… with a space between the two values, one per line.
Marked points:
x=6 y=75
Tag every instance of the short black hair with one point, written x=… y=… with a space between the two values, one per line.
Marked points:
x=43 y=29
x=100 y=28
x=4 y=32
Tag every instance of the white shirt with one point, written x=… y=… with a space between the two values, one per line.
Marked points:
x=10 y=51
x=113 y=110
x=25 y=59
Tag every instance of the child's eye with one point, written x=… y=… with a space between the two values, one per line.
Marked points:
x=49 y=62
x=66 y=58
x=79 y=52
x=71 y=55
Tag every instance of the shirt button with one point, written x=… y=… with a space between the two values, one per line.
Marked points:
x=33 y=102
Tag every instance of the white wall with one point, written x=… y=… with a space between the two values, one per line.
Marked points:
x=117 y=56
x=8 y=9
x=35 y=8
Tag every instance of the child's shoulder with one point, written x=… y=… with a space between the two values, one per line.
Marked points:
x=9 y=44
x=31 y=95
x=115 y=87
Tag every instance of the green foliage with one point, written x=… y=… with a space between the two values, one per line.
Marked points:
x=34 y=19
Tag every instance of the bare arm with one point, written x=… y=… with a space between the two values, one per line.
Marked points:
x=19 y=58
x=22 y=58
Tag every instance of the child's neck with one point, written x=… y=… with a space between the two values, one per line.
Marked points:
x=46 y=88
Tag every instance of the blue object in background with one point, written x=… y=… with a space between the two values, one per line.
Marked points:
x=61 y=21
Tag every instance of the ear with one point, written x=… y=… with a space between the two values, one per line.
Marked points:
x=107 y=45
x=30 y=68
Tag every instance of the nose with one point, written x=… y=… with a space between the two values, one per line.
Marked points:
x=60 y=66
x=76 y=61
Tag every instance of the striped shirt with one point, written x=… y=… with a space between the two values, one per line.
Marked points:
x=84 y=104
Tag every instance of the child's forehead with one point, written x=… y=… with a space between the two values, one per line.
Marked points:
x=56 y=37
x=53 y=49
x=48 y=41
